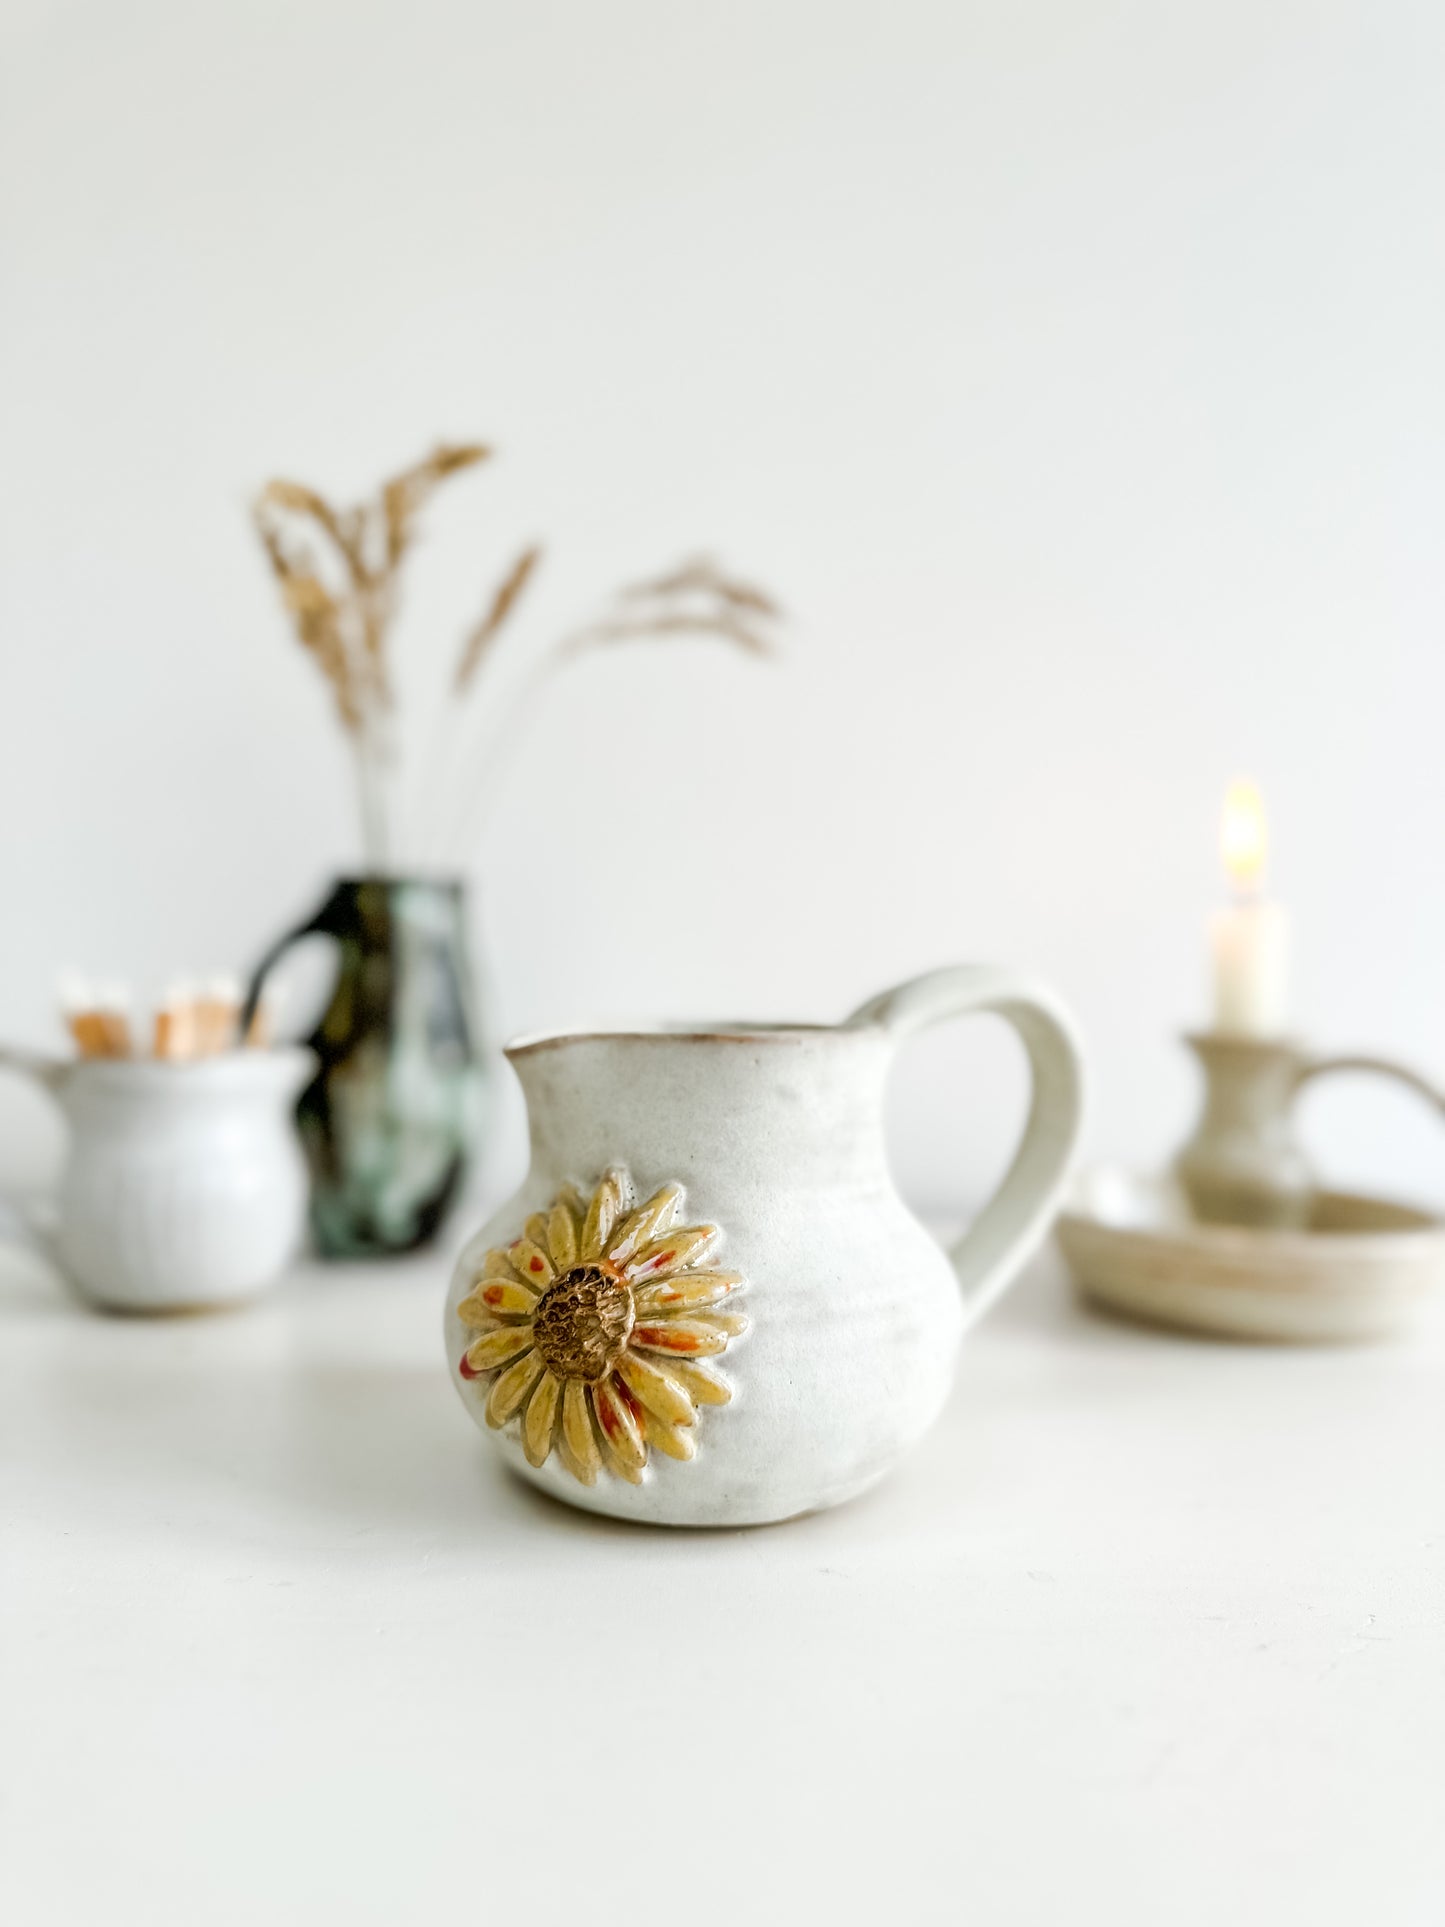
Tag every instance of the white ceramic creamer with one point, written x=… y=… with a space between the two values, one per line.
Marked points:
x=184 y=1184
x=708 y=1305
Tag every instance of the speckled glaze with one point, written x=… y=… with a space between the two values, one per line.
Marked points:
x=853 y=1314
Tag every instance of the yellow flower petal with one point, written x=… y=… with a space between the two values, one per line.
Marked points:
x=498 y=1347
x=562 y=1236
x=684 y=1291
x=574 y=1201
x=531 y=1263
x=473 y=1312
x=679 y=1338
x=731 y=1322
x=497 y=1298
x=656 y=1388
x=620 y=1419
x=647 y=1222
x=541 y=1419
x=668 y=1438
x=672 y=1252
x=608 y=1204
x=564 y=1453
x=577 y=1431
x=698 y=1382
x=537 y=1229
x=511 y=1387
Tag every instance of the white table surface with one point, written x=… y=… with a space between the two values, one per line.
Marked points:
x=1150 y=1631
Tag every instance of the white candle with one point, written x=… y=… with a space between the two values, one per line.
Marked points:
x=1249 y=938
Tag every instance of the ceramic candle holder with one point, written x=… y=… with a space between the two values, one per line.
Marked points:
x=1244 y=1164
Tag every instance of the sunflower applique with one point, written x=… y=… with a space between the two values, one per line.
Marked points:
x=594 y=1323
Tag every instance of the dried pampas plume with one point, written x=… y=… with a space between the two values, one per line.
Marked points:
x=480 y=641
x=338 y=571
x=347 y=625
x=696 y=599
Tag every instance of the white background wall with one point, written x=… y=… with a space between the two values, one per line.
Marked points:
x=1071 y=369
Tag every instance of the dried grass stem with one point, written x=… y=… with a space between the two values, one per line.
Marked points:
x=338 y=571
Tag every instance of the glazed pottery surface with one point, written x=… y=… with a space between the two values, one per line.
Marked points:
x=183 y=1184
x=708 y=1305
x=390 y=1119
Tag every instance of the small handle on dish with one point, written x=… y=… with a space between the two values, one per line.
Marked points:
x=1313 y=1067
x=990 y=1253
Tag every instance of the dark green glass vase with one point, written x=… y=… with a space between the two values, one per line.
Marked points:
x=390 y=1119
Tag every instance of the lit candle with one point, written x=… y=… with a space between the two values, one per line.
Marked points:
x=1249 y=937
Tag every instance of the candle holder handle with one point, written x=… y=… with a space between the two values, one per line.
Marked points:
x=1312 y=1067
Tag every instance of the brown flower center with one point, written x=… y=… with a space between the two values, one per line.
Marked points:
x=584 y=1321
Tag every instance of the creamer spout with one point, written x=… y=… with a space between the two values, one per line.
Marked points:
x=53 y=1072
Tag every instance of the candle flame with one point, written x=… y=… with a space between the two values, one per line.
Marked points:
x=1243 y=837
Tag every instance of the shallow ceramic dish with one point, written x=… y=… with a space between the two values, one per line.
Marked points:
x=1361 y=1268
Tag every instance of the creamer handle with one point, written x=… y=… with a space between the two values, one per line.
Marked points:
x=991 y=1252
x=24 y=1224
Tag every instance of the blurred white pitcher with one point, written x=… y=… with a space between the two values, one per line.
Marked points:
x=184 y=1185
